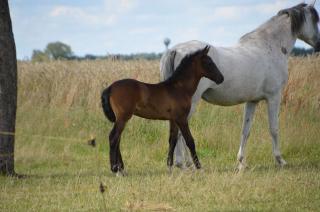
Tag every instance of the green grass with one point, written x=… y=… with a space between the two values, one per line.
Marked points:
x=64 y=175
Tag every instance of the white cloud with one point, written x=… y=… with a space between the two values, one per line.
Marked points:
x=226 y=12
x=243 y=11
x=75 y=13
x=119 y=5
x=144 y=30
x=107 y=14
x=272 y=8
x=127 y=4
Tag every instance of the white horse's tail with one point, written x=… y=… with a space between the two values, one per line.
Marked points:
x=167 y=64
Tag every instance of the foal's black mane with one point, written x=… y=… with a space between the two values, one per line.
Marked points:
x=185 y=62
x=298 y=17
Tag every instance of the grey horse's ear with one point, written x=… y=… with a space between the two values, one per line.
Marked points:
x=206 y=49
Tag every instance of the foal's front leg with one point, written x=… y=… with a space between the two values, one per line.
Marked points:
x=172 y=143
x=184 y=128
x=182 y=156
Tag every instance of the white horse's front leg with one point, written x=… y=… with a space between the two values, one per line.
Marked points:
x=273 y=113
x=247 y=122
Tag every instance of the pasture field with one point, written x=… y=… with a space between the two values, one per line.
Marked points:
x=59 y=110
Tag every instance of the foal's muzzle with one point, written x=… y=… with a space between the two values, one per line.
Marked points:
x=220 y=79
x=317 y=47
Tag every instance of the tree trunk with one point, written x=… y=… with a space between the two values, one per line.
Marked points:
x=8 y=91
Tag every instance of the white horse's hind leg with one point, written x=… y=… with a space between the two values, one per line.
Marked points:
x=273 y=113
x=247 y=122
x=180 y=152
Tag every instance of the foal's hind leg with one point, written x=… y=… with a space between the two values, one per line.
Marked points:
x=114 y=141
x=172 y=143
x=119 y=157
x=184 y=127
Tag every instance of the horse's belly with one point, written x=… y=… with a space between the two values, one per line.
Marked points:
x=229 y=98
x=151 y=112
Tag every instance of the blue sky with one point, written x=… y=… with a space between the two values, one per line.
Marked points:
x=131 y=26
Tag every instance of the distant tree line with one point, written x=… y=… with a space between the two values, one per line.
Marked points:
x=61 y=51
x=297 y=51
x=135 y=56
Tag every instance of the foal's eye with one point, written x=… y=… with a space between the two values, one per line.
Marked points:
x=207 y=61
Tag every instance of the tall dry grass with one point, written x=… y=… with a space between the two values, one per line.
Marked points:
x=302 y=90
x=66 y=84
x=79 y=84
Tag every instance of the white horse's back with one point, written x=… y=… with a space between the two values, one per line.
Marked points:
x=244 y=68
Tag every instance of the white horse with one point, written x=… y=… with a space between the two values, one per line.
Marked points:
x=255 y=69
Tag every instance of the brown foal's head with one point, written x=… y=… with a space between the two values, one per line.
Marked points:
x=206 y=67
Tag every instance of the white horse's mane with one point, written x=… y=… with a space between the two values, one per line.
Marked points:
x=296 y=15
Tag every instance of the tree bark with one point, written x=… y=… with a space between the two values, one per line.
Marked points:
x=8 y=91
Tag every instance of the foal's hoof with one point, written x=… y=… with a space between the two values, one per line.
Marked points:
x=114 y=168
x=121 y=173
x=118 y=170
x=280 y=161
x=198 y=165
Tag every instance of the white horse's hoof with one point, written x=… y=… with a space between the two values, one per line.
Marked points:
x=179 y=165
x=240 y=167
x=189 y=164
x=280 y=161
x=170 y=168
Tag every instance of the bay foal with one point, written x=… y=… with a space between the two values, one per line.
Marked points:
x=168 y=100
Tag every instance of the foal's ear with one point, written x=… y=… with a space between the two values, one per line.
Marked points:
x=206 y=50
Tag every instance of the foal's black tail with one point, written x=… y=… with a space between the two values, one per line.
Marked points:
x=108 y=112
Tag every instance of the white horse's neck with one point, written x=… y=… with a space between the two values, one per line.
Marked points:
x=275 y=33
